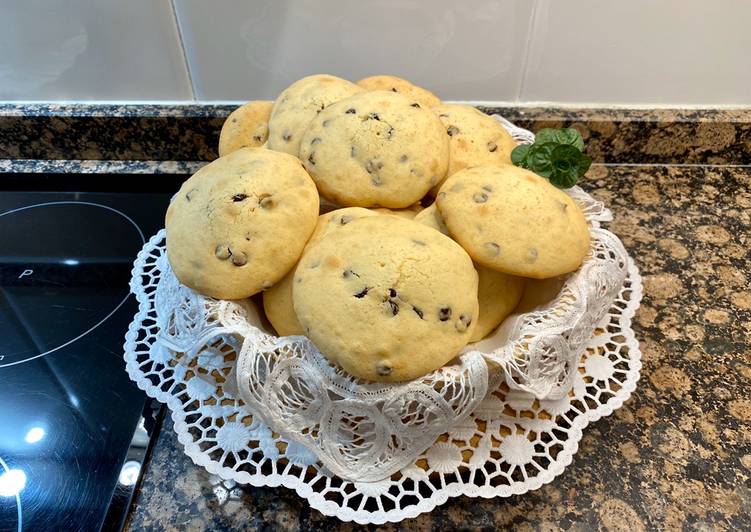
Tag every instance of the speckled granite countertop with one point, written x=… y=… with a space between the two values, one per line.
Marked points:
x=678 y=454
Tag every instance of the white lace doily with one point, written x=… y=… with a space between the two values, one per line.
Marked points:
x=510 y=444
x=368 y=431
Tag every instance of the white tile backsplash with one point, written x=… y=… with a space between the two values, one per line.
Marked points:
x=90 y=50
x=470 y=50
x=640 y=52
x=635 y=52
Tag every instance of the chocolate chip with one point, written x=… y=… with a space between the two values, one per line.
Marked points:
x=257 y=138
x=487 y=188
x=403 y=159
x=344 y=220
x=239 y=197
x=349 y=273
x=444 y=314
x=480 y=197
x=222 y=252
x=392 y=292
x=415 y=105
x=362 y=293
x=374 y=116
x=452 y=130
x=393 y=307
x=239 y=259
x=315 y=141
x=418 y=312
x=492 y=249
x=373 y=165
x=350 y=111
x=384 y=368
x=190 y=193
x=286 y=137
x=266 y=201
x=463 y=323
x=492 y=146
x=393 y=89
x=310 y=159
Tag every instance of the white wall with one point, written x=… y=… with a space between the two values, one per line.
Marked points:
x=635 y=52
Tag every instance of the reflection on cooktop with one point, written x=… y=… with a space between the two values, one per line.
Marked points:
x=65 y=278
x=72 y=434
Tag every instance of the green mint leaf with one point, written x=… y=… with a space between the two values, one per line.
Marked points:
x=556 y=154
x=567 y=135
x=539 y=158
x=571 y=137
x=564 y=179
x=568 y=164
x=585 y=161
x=519 y=155
x=546 y=135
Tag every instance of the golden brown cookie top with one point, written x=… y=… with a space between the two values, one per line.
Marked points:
x=475 y=139
x=375 y=149
x=512 y=220
x=245 y=127
x=299 y=103
x=387 y=299
x=240 y=223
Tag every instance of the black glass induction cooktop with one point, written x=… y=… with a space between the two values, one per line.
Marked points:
x=74 y=430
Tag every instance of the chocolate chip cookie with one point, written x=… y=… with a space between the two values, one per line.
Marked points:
x=239 y=224
x=245 y=127
x=385 y=298
x=299 y=103
x=514 y=221
x=474 y=138
x=375 y=149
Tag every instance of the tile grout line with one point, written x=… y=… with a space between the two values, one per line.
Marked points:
x=527 y=50
x=679 y=165
x=184 y=51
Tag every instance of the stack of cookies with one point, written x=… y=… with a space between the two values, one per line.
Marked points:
x=425 y=242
